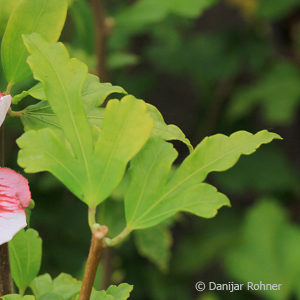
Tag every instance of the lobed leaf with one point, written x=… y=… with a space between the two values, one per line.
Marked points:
x=120 y=292
x=90 y=165
x=153 y=195
x=64 y=286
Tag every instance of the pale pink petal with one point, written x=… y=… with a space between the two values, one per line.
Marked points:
x=10 y=224
x=14 y=186
x=14 y=197
x=5 y=102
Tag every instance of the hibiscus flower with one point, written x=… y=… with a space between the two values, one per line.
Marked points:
x=14 y=198
x=5 y=102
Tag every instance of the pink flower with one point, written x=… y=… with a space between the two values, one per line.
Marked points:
x=5 y=102
x=14 y=198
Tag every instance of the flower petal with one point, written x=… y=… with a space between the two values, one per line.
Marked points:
x=15 y=187
x=5 y=102
x=10 y=224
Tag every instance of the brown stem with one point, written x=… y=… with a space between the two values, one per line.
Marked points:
x=5 y=275
x=96 y=249
x=101 y=32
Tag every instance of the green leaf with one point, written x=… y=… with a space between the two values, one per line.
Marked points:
x=153 y=195
x=91 y=166
x=18 y=297
x=25 y=252
x=93 y=94
x=126 y=128
x=42 y=16
x=120 y=292
x=269 y=249
x=43 y=150
x=41 y=285
x=51 y=296
x=62 y=81
x=64 y=286
x=40 y=115
x=155 y=243
x=7 y=7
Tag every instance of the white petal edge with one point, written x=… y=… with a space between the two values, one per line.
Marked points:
x=10 y=224
x=5 y=103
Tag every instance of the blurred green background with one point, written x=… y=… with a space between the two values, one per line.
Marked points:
x=210 y=67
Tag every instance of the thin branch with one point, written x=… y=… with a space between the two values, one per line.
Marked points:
x=96 y=249
x=6 y=286
x=101 y=34
x=119 y=238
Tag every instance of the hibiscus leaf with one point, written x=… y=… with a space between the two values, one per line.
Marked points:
x=153 y=195
x=90 y=165
x=25 y=252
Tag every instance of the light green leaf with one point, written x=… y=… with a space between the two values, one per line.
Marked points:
x=41 y=285
x=126 y=128
x=120 y=292
x=155 y=243
x=148 y=175
x=101 y=295
x=17 y=297
x=51 y=296
x=91 y=166
x=62 y=81
x=153 y=195
x=25 y=252
x=43 y=150
x=42 y=16
x=39 y=116
x=93 y=94
x=63 y=286
x=66 y=286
